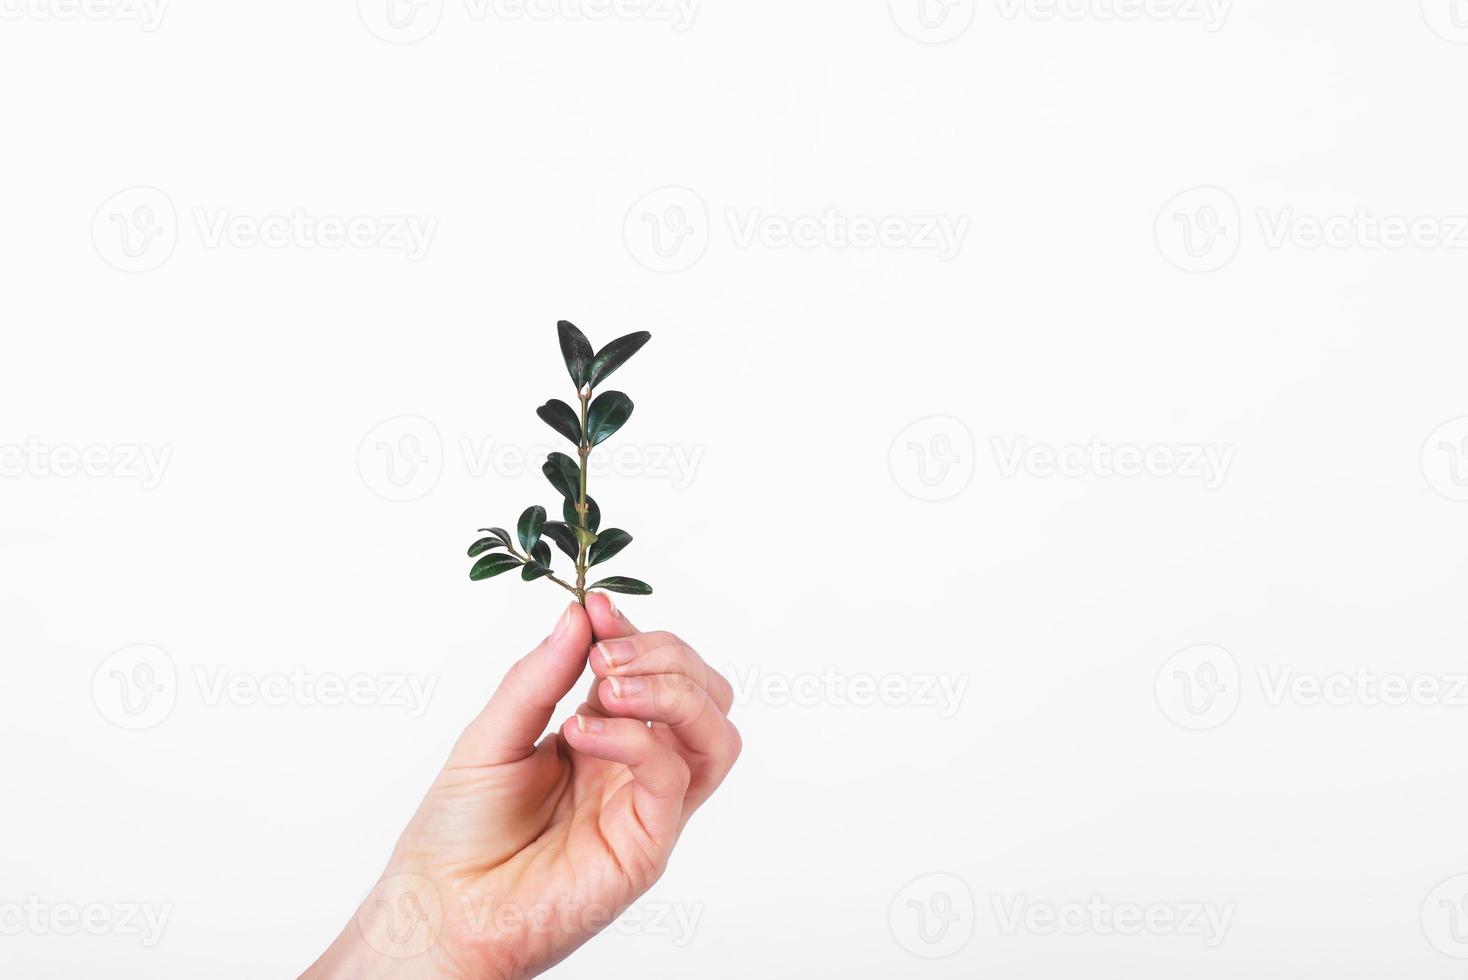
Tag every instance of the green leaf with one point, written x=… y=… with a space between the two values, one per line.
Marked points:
x=608 y=413
x=498 y=532
x=491 y=565
x=531 y=523
x=576 y=349
x=541 y=553
x=561 y=417
x=485 y=544
x=624 y=585
x=615 y=354
x=534 y=570
x=564 y=537
x=564 y=474
x=593 y=514
x=608 y=544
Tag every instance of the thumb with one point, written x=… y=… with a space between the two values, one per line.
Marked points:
x=516 y=715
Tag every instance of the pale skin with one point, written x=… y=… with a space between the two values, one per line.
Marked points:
x=525 y=847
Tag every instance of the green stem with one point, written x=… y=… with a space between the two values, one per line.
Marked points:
x=583 y=450
x=552 y=578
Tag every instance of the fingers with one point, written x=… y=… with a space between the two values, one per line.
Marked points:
x=515 y=717
x=659 y=776
x=711 y=741
x=659 y=653
x=607 y=620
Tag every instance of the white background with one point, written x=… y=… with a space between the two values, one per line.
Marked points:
x=831 y=532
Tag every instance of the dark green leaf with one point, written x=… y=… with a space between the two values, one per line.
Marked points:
x=593 y=514
x=608 y=413
x=531 y=523
x=608 y=544
x=498 y=532
x=561 y=417
x=624 y=585
x=615 y=354
x=541 y=553
x=576 y=349
x=564 y=474
x=485 y=544
x=491 y=565
x=534 y=570
x=564 y=537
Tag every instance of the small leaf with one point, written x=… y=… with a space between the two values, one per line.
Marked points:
x=593 y=514
x=561 y=417
x=564 y=474
x=608 y=413
x=531 y=523
x=564 y=537
x=485 y=544
x=498 y=532
x=491 y=565
x=576 y=349
x=541 y=553
x=534 y=570
x=624 y=585
x=586 y=537
x=615 y=354
x=608 y=544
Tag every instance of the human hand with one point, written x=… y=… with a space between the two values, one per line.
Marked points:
x=521 y=851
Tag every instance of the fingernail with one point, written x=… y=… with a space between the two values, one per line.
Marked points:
x=588 y=723
x=562 y=624
x=617 y=653
x=612 y=606
x=625 y=687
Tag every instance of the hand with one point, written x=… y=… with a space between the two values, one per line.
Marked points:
x=522 y=851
